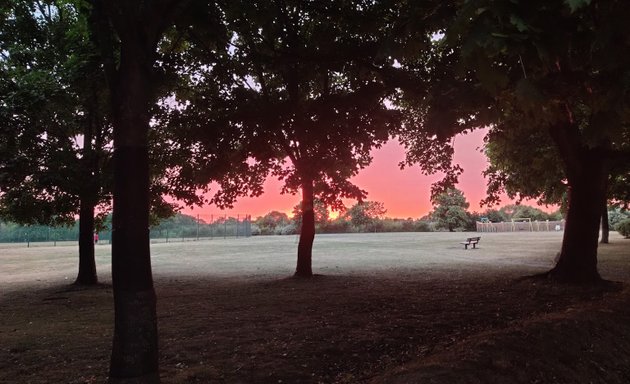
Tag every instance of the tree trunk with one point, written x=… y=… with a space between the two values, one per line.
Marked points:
x=87 y=264
x=586 y=177
x=307 y=232
x=135 y=349
x=88 y=195
x=605 y=225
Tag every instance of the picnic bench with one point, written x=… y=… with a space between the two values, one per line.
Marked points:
x=471 y=241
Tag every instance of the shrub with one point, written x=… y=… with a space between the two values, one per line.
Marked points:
x=616 y=216
x=289 y=229
x=624 y=228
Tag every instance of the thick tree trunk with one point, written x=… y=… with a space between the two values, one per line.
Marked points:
x=307 y=232
x=578 y=256
x=135 y=349
x=586 y=176
x=605 y=225
x=87 y=264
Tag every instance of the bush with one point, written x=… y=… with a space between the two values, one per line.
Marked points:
x=624 y=228
x=616 y=216
x=289 y=229
x=338 y=225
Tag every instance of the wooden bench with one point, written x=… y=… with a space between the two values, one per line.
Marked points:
x=471 y=241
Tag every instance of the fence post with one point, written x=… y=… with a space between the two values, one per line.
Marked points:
x=225 y=226
x=197 y=227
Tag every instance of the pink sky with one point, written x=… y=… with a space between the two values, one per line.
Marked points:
x=405 y=193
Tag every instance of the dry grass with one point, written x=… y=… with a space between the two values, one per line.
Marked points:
x=229 y=313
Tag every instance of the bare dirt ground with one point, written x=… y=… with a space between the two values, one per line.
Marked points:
x=386 y=308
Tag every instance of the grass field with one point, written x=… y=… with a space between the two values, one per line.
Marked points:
x=228 y=311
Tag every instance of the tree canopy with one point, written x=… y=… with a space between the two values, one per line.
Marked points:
x=55 y=157
x=302 y=91
x=303 y=85
x=55 y=130
x=450 y=210
x=365 y=213
x=545 y=70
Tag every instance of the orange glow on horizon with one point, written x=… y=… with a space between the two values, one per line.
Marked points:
x=405 y=193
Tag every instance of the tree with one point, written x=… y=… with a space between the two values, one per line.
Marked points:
x=552 y=67
x=494 y=215
x=272 y=220
x=304 y=87
x=624 y=228
x=520 y=169
x=450 y=210
x=525 y=171
x=617 y=215
x=366 y=213
x=320 y=214
x=55 y=131
x=128 y=34
x=519 y=211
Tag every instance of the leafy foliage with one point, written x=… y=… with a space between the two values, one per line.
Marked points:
x=277 y=223
x=54 y=129
x=544 y=63
x=624 y=228
x=519 y=211
x=311 y=105
x=450 y=210
x=272 y=221
x=366 y=214
x=321 y=213
x=522 y=169
x=615 y=216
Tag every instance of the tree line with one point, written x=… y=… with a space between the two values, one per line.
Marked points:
x=450 y=212
x=360 y=218
x=134 y=105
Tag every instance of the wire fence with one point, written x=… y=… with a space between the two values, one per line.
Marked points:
x=214 y=226
x=516 y=226
x=178 y=228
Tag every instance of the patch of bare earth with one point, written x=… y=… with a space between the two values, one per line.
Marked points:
x=442 y=326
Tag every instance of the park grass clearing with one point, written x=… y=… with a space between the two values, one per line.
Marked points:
x=408 y=307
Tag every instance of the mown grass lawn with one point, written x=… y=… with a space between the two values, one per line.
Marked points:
x=230 y=313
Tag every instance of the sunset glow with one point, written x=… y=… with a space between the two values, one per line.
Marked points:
x=405 y=193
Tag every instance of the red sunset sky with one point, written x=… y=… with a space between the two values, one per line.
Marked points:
x=405 y=193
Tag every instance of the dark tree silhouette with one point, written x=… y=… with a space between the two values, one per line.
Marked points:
x=128 y=35
x=540 y=66
x=56 y=128
x=310 y=97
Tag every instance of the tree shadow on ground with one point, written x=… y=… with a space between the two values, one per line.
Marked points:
x=264 y=329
